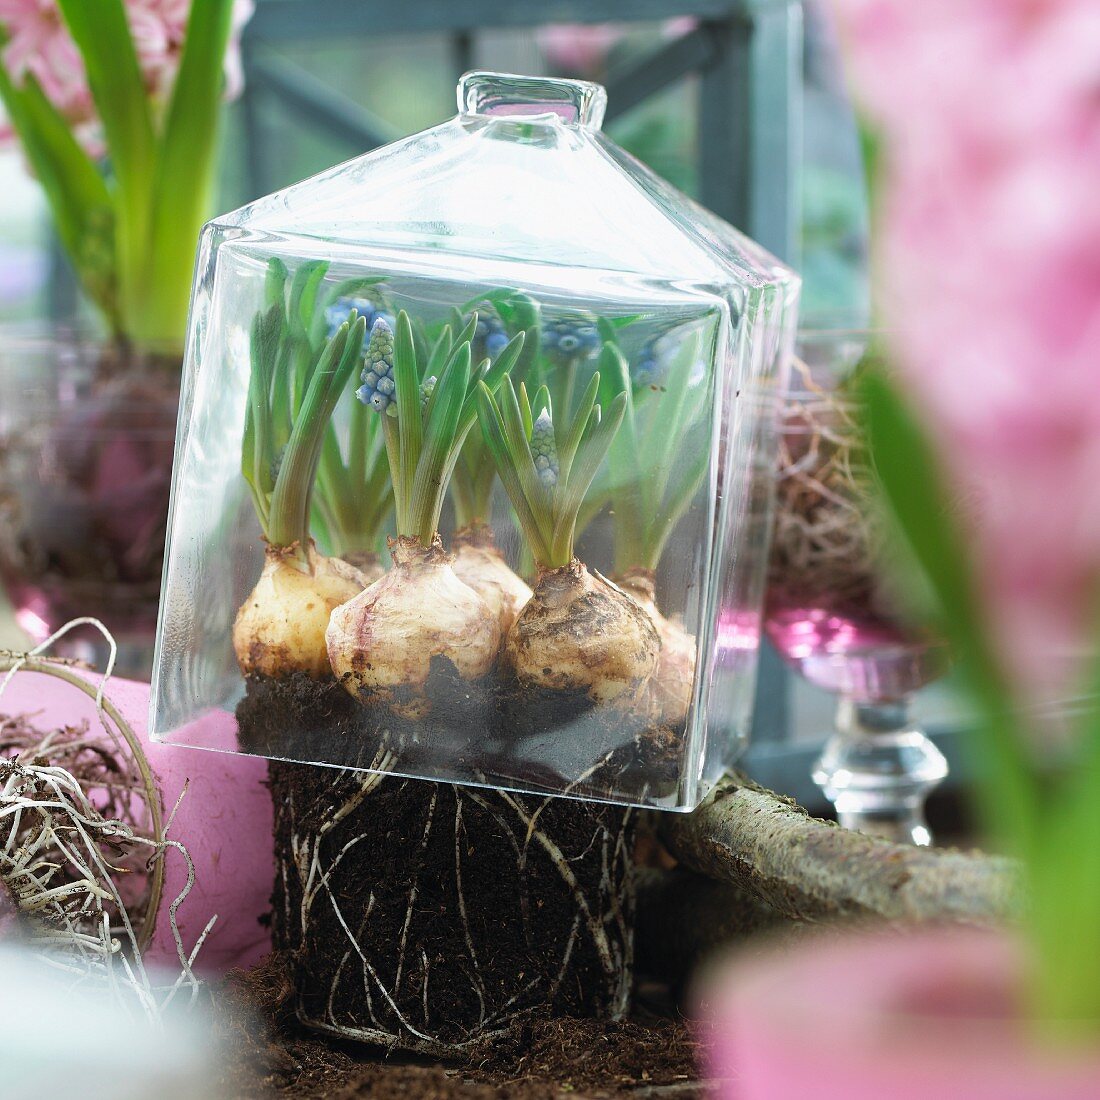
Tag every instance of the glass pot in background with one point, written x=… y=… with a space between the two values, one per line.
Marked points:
x=831 y=607
x=87 y=433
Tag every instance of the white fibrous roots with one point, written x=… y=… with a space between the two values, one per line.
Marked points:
x=479 y=564
x=671 y=687
x=82 y=845
x=280 y=628
x=828 y=536
x=581 y=633
x=386 y=638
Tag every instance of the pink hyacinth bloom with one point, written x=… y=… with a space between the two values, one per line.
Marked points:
x=989 y=240
x=39 y=44
x=579 y=49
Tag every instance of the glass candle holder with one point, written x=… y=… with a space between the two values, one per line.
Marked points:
x=832 y=609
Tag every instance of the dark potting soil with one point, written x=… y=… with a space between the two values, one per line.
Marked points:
x=432 y=917
x=268 y=1054
x=540 y=741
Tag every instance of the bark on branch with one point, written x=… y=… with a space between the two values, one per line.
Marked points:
x=812 y=870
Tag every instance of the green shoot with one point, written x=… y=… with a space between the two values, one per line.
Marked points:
x=1046 y=819
x=427 y=404
x=281 y=475
x=659 y=459
x=547 y=468
x=351 y=497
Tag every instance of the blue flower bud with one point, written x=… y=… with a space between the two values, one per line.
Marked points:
x=377 y=376
x=544 y=449
x=277 y=464
x=340 y=311
x=490 y=337
x=570 y=339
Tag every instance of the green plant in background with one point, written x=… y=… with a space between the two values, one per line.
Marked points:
x=292 y=394
x=419 y=611
x=578 y=633
x=1048 y=817
x=130 y=222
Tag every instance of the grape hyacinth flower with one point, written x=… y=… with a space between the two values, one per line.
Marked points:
x=651 y=368
x=570 y=339
x=378 y=386
x=544 y=449
x=427 y=388
x=490 y=336
x=340 y=310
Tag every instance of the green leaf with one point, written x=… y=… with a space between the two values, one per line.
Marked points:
x=275 y=284
x=184 y=175
x=909 y=472
x=492 y=427
x=409 y=415
x=78 y=197
x=597 y=440
x=102 y=34
x=525 y=415
x=440 y=445
x=290 y=502
x=567 y=446
x=492 y=379
x=519 y=448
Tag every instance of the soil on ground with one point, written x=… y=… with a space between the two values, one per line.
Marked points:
x=268 y=1054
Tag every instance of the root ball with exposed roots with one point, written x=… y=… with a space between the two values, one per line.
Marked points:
x=580 y=632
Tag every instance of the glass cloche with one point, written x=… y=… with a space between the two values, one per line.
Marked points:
x=473 y=476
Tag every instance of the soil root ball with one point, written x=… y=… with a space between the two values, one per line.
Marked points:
x=432 y=917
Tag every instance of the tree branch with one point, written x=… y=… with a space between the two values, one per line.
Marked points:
x=807 y=869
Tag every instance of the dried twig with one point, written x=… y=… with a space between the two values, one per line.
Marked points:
x=812 y=870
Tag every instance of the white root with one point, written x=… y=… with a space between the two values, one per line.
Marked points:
x=579 y=632
x=385 y=639
x=478 y=563
x=82 y=845
x=280 y=628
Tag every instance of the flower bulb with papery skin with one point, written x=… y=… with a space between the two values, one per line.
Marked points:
x=579 y=632
x=672 y=683
x=479 y=564
x=383 y=641
x=280 y=628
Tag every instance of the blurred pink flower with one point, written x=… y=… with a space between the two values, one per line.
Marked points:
x=577 y=48
x=39 y=44
x=989 y=249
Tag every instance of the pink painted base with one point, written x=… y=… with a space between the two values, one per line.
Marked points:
x=225 y=821
x=864 y=1017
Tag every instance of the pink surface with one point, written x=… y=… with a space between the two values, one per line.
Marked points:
x=224 y=821
x=869 y=1017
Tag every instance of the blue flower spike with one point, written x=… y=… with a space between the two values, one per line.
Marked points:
x=544 y=450
x=653 y=364
x=571 y=339
x=378 y=386
x=340 y=310
x=427 y=388
x=490 y=336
